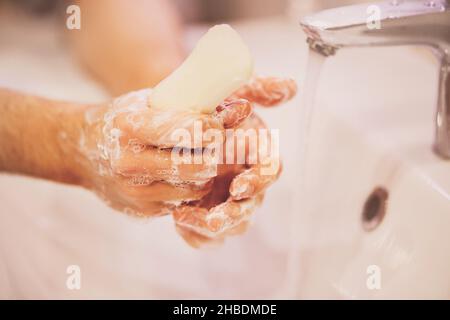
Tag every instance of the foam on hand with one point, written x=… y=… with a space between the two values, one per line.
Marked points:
x=219 y=64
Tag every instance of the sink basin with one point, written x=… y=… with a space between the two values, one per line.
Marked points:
x=372 y=130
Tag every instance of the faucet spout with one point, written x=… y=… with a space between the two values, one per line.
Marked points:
x=390 y=23
x=393 y=22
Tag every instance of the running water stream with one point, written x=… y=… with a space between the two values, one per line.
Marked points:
x=301 y=204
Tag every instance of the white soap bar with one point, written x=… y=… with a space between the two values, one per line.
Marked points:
x=219 y=64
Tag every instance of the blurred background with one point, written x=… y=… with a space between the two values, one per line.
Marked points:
x=216 y=10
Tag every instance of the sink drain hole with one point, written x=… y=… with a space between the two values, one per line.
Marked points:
x=374 y=208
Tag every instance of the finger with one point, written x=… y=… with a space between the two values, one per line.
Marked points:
x=243 y=144
x=197 y=240
x=254 y=180
x=170 y=128
x=135 y=190
x=192 y=218
x=268 y=91
x=152 y=210
x=139 y=210
x=263 y=161
x=218 y=220
x=233 y=112
x=227 y=218
x=160 y=164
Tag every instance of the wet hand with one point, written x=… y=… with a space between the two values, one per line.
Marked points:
x=129 y=149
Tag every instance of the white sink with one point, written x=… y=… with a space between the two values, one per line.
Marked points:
x=373 y=128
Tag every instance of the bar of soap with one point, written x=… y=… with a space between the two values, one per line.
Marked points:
x=219 y=64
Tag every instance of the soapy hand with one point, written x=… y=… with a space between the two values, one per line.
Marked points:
x=236 y=192
x=129 y=150
x=128 y=147
x=239 y=188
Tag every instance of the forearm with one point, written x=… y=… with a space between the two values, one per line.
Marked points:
x=38 y=137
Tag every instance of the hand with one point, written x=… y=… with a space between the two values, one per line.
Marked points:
x=129 y=147
x=129 y=150
x=239 y=188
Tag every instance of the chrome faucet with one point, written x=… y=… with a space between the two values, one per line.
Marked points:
x=389 y=23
